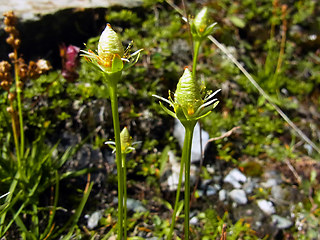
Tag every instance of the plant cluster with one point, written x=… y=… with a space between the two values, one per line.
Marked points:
x=30 y=168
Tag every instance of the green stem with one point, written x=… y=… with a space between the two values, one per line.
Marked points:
x=196 y=47
x=19 y=90
x=15 y=137
x=125 y=219
x=187 y=150
x=173 y=221
x=185 y=160
x=112 y=82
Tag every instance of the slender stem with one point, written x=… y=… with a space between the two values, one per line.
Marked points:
x=112 y=81
x=173 y=221
x=15 y=136
x=125 y=219
x=196 y=47
x=8 y=200
x=19 y=90
x=187 y=150
x=185 y=161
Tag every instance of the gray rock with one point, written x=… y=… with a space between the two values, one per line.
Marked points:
x=266 y=206
x=249 y=186
x=135 y=205
x=211 y=190
x=277 y=192
x=269 y=183
x=281 y=222
x=238 y=196
x=222 y=195
x=94 y=219
x=194 y=220
x=179 y=133
x=32 y=9
x=235 y=178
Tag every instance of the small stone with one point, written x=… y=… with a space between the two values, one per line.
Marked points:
x=194 y=220
x=211 y=190
x=277 y=192
x=196 y=151
x=249 y=186
x=269 y=183
x=238 y=196
x=281 y=222
x=94 y=219
x=266 y=206
x=235 y=178
x=135 y=205
x=222 y=195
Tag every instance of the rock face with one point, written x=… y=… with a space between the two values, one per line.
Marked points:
x=33 y=9
x=46 y=24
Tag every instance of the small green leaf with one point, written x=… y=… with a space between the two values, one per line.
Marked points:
x=238 y=22
x=117 y=64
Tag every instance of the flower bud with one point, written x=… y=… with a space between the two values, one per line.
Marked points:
x=201 y=26
x=109 y=46
x=188 y=95
x=126 y=140
x=188 y=104
x=201 y=20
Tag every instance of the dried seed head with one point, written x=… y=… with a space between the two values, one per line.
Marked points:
x=17 y=43
x=10 y=110
x=10 y=40
x=11 y=96
x=11 y=55
x=10 y=19
x=5 y=85
x=5 y=66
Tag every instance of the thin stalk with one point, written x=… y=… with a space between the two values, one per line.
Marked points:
x=173 y=221
x=196 y=47
x=8 y=200
x=187 y=153
x=283 y=39
x=18 y=87
x=112 y=81
x=185 y=161
x=15 y=137
x=125 y=197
